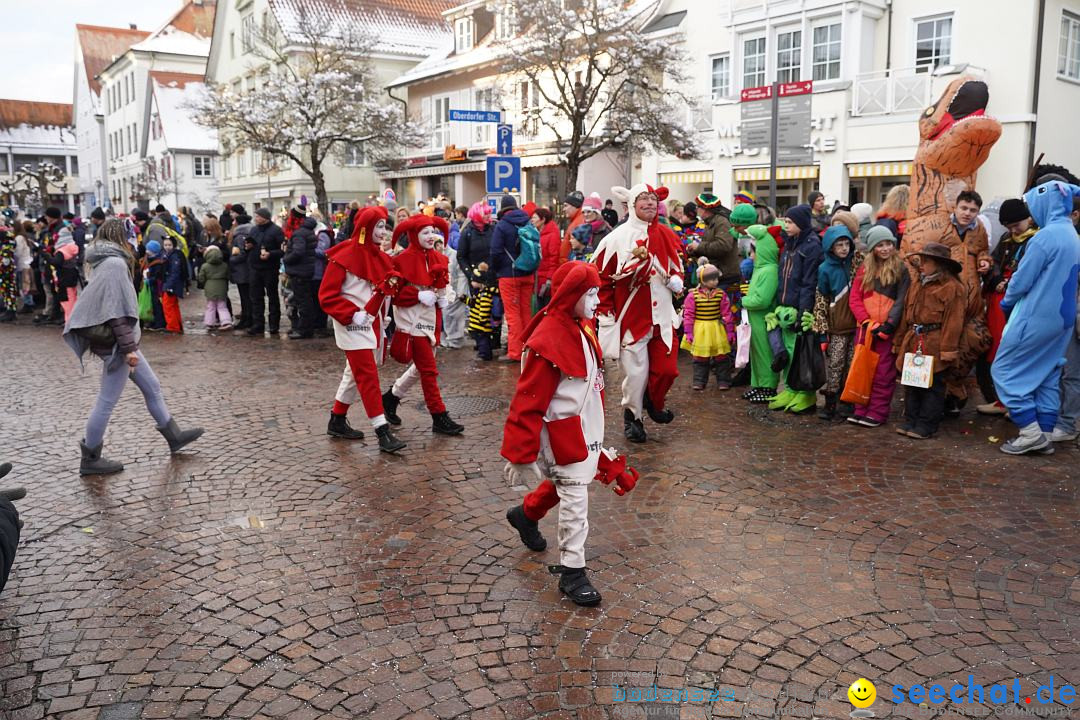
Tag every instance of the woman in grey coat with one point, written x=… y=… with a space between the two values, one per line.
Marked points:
x=105 y=322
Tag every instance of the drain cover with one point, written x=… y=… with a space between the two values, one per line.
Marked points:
x=468 y=405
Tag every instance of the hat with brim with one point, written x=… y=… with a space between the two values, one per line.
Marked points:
x=940 y=253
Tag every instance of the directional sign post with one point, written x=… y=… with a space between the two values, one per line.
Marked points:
x=487 y=116
x=503 y=175
x=504 y=139
x=777 y=116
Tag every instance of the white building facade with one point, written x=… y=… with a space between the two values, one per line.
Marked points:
x=406 y=31
x=36 y=133
x=463 y=75
x=875 y=66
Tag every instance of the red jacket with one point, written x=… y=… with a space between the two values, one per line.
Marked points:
x=550 y=246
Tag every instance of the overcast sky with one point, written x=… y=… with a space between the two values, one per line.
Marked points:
x=39 y=40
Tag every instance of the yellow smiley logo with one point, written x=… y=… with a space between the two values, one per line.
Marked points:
x=862 y=693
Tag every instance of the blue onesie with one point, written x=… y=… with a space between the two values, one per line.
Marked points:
x=1041 y=306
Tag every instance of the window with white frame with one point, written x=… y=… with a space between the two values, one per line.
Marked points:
x=505 y=22
x=789 y=56
x=354 y=155
x=826 y=52
x=483 y=99
x=1069 y=50
x=132 y=76
x=463 y=34
x=721 y=76
x=241 y=164
x=248 y=31
x=202 y=166
x=753 y=62
x=529 y=95
x=933 y=42
x=440 y=121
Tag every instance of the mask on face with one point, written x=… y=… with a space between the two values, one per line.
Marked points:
x=585 y=308
x=428 y=236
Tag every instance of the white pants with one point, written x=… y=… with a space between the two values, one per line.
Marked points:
x=573 y=524
x=349 y=394
x=405 y=383
x=634 y=363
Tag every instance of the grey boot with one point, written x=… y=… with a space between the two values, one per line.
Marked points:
x=179 y=438
x=93 y=464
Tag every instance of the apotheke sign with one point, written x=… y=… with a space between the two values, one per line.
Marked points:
x=818 y=124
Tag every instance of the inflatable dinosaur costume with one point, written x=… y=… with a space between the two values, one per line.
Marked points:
x=955 y=138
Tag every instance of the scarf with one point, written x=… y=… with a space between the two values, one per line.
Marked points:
x=109 y=294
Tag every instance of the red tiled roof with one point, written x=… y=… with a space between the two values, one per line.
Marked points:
x=180 y=79
x=14 y=113
x=101 y=45
x=196 y=18
x=422 y=11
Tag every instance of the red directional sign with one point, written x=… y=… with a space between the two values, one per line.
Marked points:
x=757 y=93
x=804 y=87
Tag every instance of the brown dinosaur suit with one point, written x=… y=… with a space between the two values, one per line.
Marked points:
x=955 y=138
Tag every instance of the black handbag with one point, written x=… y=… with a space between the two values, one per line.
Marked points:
x=807 y=372
x=100 y=335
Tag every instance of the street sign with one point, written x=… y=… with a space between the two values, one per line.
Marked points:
x=793 y=129
x=756 y=93
x=803 y=87
x=389 y=195
x=503 y=174
x=755 y=124
x=493 y=202
x=504 y=139
x=487 y=116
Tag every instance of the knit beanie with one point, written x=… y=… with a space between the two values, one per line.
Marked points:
x=153 y=248
x=574 y=198
x=863 y=211
x=592 y=203
x=877 y=234
x=851 y=222
x=508 y=202
x=264 y=213
x=745 y=196
x=708 y=201
x=1013 y=210
x=743 y=214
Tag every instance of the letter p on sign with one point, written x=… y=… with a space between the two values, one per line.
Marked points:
x=503 y=174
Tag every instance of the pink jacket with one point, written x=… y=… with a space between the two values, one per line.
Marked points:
x=690 y=312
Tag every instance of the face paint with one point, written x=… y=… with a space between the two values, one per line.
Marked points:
x=428 y=236
x=587 y=304
x=380 y=233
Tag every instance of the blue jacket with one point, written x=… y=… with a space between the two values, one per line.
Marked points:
x=799 y=263
x=834 y=274
x=504 y=243
x=173 y=274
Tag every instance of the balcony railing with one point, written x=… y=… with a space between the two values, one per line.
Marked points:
x=903 y=90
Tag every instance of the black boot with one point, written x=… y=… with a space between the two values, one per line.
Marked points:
x=390 y=403
x=575 y=583
x=442 y=424
x=339 y=427
x=8 y=316
x=632 y=427
x=844 y=410
x=662 y=417
x=93 y=464
x=701 y=375
x=5 y=468
x=528 y=529
x=14 y=493
x=179 y=438
x=388 y=443
x=828 y=410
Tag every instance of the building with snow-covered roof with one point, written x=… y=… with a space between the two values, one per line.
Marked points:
x=405 y=32
x=127 y=90
x=96 y=48
x=35 y=134
x=179 y=156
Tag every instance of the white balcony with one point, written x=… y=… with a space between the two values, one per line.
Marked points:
x=902 y=90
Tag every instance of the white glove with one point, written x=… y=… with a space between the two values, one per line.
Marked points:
x=361 y=318
x=443 y=300
x=520 y=474
x=674 y=284
x=427 y=298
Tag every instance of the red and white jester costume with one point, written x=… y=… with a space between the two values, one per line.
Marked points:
x=640 y=267
x=418 y=300
x=354 y=270
x=555 y=428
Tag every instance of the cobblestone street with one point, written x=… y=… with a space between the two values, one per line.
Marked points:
x=269 y=571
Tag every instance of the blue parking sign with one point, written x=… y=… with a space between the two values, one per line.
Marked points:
x=503 y=174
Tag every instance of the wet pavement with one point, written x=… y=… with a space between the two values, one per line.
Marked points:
x=269 y=571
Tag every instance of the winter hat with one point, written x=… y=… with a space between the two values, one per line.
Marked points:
x=529 y=208
x=744 y=196
x=877 y=234
x=1013 y=210
x=690 y=210
x=574 y=198
x=743 y=214
x=507 y=203
x=97 y=214
x=140 y=216
x=52 y=212
x=708 y=201
x=264 y=213
x=210 y=251
x=863 y=211
x=708 y=270
x=801 y=216
x=813 y=197
x=299 y=212
x=159 y=208
x=593 y=203
x=238 y=209
x=851 y=222
x=153 y=248
x=941 y=254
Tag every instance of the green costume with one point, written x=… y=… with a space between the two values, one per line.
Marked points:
x=759 y=301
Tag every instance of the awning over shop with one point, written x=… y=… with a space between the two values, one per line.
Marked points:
x=696 y=177
x=884 y=169
x=797 y=172
x=429 y=170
